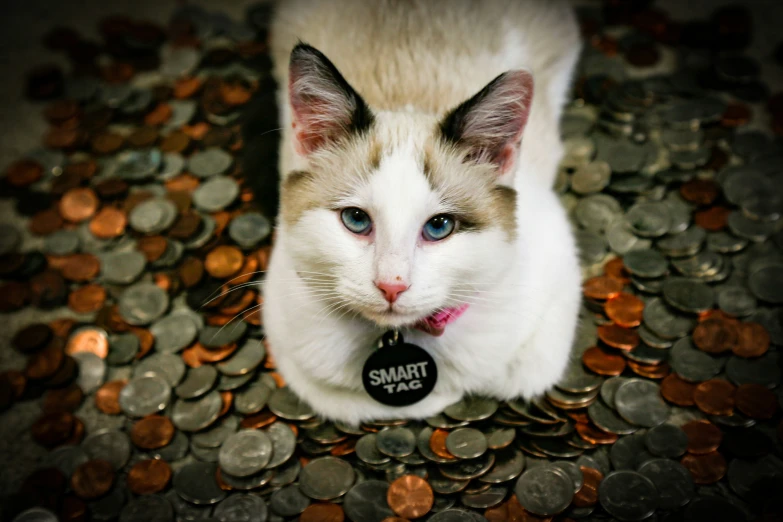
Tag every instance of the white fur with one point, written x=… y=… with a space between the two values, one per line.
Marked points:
x=322 y=312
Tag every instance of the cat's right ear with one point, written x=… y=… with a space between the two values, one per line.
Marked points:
x=325 y=108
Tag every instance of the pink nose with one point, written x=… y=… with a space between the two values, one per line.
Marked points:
x=391 y=290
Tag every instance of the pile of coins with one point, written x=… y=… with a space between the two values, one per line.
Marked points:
x=144 y=236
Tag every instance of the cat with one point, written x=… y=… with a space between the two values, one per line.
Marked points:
x=419 y=146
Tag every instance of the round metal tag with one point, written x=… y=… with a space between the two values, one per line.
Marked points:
x=399 y=374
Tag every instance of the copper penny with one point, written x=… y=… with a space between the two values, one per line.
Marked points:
x=143 y=137
x=702 y=192
x=176 y=141
x=625 y=310
x=715 y=397
x=248 y=271
x=651 y=371
x=753 y=340
x=73 y=509
x=186 y=225
x=227 y=399
x=17 y=383
x=602 y=362
x=88 y=298
x=703 y=436
x=45 y=222
x=713 y=219
x=601 y=287
x=705 y=469
x=593 y=435
x=715 y=336
x=85 y=169
x=588 y=494
x=79 y=204
x=14 y=295
x=63 y=326
x=32 y=337
x=320 y=512
x=191 y=271
x=51 y=429
x=344 y=448
x=258 y=420
x=146 y=340
x=187 y=87
x=615 y=269
x=45 y=363
x=197 y=131
x=92 y=479
x=438 y=444
x=183 y=182
x=88 y=340
x=618 y=337
x=224 y=261
x=111 y=188
x=756 y=401
x=234 y=93
x=736 y=115
x=678 y=391
x=80 y=267
x=147 y=477
x=190 y=357
x=212 y=355
x=77 y=435
x=159 y=115
x=109 y=222
x=107 y=398
x=410 y=496
x=152 y=247
x=63 y=399
x=152 y=432
x=23 y=173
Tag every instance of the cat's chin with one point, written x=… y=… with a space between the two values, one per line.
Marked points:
x=391 y=319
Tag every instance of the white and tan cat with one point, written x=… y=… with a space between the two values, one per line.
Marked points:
x=420 y=143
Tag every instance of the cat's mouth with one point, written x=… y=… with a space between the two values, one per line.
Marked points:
x=393 y=317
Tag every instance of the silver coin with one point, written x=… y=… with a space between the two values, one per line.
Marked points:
x=366 y=502
x=216 y=194
x=666 y=440
x=244 y=360
x=174 y=450
x=509 y=463
x=252 y=482
x=688 y=295
x=285 y=404
x=683 y=244
x=110 y=505
x=468 y=468
x=198 y=381
x=596 y=212
x=592 y=247
x=286 y=474
x=591 y=177
x=144 y=395
x=66 y=459
x=143 y=303
x=172 y=165
x=645 y=263
x=153 y=216
x=288 y=501
x=252 y=399
x=442 y=421
x=219 y=336
x=673 y=482
x=248 y=230
x=578 y=380
x=171 y=256
x=59 y=243
x=173 y=333
x=92 y=371
x=472 y=409
x=628 y=495
x=544 y=491
x=122 y=268
x=736 y=300
x=691 y=364
x=197 y=414
x=488 y=498
x=245 y=453
x=456 y=515
x=767 y=283
x=622 y=240
x=626 y=452
x=241 y=507
x=122 y=349
x=148 y=508
x=396 y=441
x=422 y=443
x=209 y=162
x=499 y=437
x=649 y=219
x=608 y=420
x=35 y=514
x=639 y=402
x=573 y=472
x=764 y=370
x=196 y=483
x=214 y=436
x=326 y=478
x=182 y=112
x=226 y=382
x=466 y=443
x=555 y=447
x=664 y=322
x=185 y=511
x=167 y=365
x=283 y=444
x=113 y=446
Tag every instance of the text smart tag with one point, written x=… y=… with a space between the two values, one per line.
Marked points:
x=399 y=374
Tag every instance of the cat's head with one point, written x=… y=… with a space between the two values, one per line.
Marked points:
x=399 y=214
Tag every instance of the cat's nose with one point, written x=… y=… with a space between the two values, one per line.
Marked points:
x=391 y=290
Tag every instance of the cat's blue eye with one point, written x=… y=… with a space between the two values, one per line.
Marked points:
x=438 y=227
x=356 y=220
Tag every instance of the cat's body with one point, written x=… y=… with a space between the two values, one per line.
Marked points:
x=513 y=260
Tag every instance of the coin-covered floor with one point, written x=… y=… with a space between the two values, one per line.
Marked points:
x=135 y=382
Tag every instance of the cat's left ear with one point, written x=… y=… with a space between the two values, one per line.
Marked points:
x=490 y=124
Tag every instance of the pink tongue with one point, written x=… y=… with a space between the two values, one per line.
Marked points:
x=435 y=324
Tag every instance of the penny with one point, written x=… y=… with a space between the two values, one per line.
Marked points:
x=756 y=401
x=32 y=337
x=52 y=429
x=715 y=336
x=108 y=223
x=703 y=436
x=80 y=267
x=322 y=513
x=625 y=310
x=438 y=444
x=705 y=469
x=602 y=362
x=66 y=399
x=45 y=222
x=24 y=172
x=594 y=435
x=224 y=262
x=148 y=477
x=410 y=496
x=88 y=340
x=93 y=479
x=753 y=340
x=45 y=363
x=715 y=397
x=618 y=337
x=89 y=298
x=107 y=397
x=587 y=495
x=152 y=432
x=78 y=204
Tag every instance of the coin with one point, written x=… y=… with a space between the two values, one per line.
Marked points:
x=410 y=496
x=152 y=432
x=195 y=482
x=93 y=479
x=245 y=453
x=703 y=437
x=705 y=469
x=756 y=401
x=625 y=310
x=148 y=477
x=715 y=397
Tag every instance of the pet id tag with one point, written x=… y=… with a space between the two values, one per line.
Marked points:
x=398 y=373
